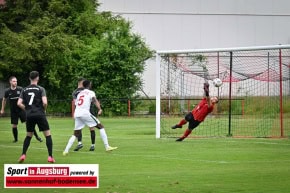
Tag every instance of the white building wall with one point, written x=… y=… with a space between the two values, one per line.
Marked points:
x=197 y=24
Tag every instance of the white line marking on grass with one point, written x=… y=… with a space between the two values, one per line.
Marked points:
x=269 y=143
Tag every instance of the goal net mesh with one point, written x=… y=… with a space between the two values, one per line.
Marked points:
x=253 y=100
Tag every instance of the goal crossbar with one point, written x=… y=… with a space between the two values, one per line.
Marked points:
x=269 y=47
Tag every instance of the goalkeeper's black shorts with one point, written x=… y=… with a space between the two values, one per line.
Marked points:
x=192 y=123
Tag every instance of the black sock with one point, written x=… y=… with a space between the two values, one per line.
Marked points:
x=93 y=136
x=80 y=137
x=15 y=133
x=35 y=134
x=26 y=144
x=49 y=144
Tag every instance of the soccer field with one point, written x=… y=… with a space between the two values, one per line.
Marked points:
x=143 y=164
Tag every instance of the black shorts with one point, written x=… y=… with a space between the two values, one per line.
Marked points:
x=15 y=115
x=192 y=123
x=39 y=120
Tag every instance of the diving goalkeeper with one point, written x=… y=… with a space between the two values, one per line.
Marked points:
x=198 y=114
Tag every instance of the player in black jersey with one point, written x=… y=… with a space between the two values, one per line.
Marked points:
x=12 y=94
x=33 y=99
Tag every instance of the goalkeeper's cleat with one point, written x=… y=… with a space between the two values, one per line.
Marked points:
x=180 y=139
x=64 y=153
x=22 y=158
x=109 y=148
x=39 y=139
x=80 y=146
x=176 y=126
x=50 y=159
x=92 y=148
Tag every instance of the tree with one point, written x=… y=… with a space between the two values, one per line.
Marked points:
x=67 y=39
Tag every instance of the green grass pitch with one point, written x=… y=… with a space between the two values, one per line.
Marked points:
x=143 y=164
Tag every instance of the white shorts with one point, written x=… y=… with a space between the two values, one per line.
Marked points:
x=90 y=121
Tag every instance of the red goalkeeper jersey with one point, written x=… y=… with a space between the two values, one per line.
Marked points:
x=202 y=110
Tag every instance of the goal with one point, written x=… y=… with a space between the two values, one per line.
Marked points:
x=253 y=100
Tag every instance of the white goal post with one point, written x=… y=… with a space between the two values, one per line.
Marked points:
x=251 y=74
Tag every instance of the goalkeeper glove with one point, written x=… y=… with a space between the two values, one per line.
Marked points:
x=206 y=89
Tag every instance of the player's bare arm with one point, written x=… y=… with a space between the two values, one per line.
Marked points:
x=44 y=102
x=20 y=104
x=3 y=105
x=98 y=105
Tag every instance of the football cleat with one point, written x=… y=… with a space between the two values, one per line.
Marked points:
x=50 y=159
x=180 y=139
x=92 y=148
x=176 y=126
x=64 y=153
x=22 y=158
x=80 y=146
x=39 y=139
x=109 y=148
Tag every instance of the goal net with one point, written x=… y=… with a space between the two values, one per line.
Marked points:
x=254 y=100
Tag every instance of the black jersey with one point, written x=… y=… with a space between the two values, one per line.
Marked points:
x=32 y=99
x=13 y=95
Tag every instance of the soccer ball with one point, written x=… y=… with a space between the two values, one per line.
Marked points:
x=217 y=82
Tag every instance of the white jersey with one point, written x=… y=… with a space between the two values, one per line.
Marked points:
x=83 y=103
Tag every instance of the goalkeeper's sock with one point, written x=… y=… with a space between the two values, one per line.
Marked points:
x=187 y=132
x=104 y=137
x=182 y=122
x=70 y=143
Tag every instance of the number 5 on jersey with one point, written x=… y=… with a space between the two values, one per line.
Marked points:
x=81 y=100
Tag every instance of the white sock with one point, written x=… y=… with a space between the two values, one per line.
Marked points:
x=70 y=143
x=104 y=137
x=80 y=143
